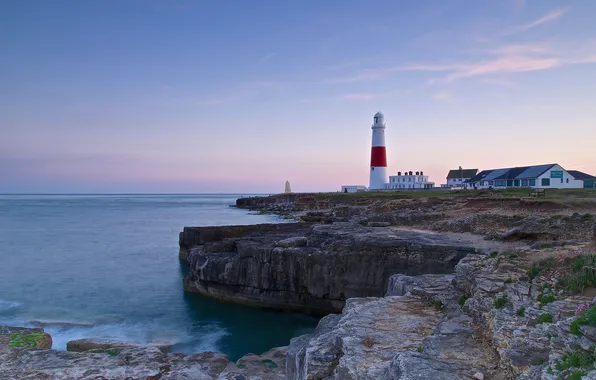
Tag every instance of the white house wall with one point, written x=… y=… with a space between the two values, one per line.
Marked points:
x=569 y=182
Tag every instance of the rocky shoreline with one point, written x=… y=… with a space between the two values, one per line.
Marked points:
x=429 y=288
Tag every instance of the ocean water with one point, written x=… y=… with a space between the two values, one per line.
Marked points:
x=107 y=266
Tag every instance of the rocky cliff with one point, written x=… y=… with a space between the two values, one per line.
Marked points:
x=311 y=268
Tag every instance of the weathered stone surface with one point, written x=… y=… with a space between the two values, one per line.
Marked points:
x=87 y=344
x=119 y=363
x=314 y=268
x=418 y=366
x=362 y=343
x=593 y=233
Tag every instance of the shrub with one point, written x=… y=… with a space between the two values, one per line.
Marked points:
x=544 y=318
x=521 y=312
x=493 y=254
x=512 y=255
x=546 y=245
x=438 y=305
x=500 y=302
x=419 y=349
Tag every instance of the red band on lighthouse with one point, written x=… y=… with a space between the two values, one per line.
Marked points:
x=378 y=156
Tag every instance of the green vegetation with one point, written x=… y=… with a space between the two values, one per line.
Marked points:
x=587 y=318
x=114 y=351
x=500 y=302
x=551 y=194
x=587 y=216
x=544 y=318
x=521 y=312
x=512 y=255
x=550 y=371
x=578 y=359
x=493 y=254
x=26 y=338
x=583 y=273
x=419 y=349
x=546 y=245
x=462 y=299
x=508 y=281
x=545 y=298
x=539 y=267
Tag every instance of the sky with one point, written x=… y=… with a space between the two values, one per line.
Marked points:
x=181 y=96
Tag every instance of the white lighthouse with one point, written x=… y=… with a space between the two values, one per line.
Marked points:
x=378 y=154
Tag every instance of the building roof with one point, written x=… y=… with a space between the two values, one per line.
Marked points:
x=580 y=175
x=519 y=172
x=464 y=173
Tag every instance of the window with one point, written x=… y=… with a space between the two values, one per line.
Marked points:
x=509 y=182
x=545 y=181
x=376 y=119
x=567 y=180
x=524 y=182
x=501 y=183
x=562 y=180
x=516 y=183
x=491 y=183
x=532 y=182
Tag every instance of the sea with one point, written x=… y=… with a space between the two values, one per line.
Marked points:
x=106 y=266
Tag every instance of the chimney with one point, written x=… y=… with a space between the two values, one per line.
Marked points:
x=421 y=173
x=417 y=173
x=398 y=173
x=410 y=172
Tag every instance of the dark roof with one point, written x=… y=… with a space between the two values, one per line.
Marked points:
x=519 y=172
x=464 y=173
x=580 y=175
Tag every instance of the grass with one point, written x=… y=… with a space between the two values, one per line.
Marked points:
x=512 y=255
x=521 y=312
x=419 y=349
x=546 y=245
x=540 y=267
x=544 y=318
x=114 y=351
x=586 y=216
x=582 y=274
x=26 y=339
x=500 y=302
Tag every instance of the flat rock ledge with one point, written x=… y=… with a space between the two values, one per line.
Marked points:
x=34 y=359
x=310 y=268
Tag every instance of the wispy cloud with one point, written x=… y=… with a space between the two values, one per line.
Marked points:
x=267 y=57
x=501 y=60
x=549 y=17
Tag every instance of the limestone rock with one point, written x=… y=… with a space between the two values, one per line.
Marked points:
x=311 y=268
x=81 y=345
x=363 y=341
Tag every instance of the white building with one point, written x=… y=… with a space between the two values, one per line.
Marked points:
x=352 y=188
x=409 y=180
x=550 y=176
x=457 y=177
